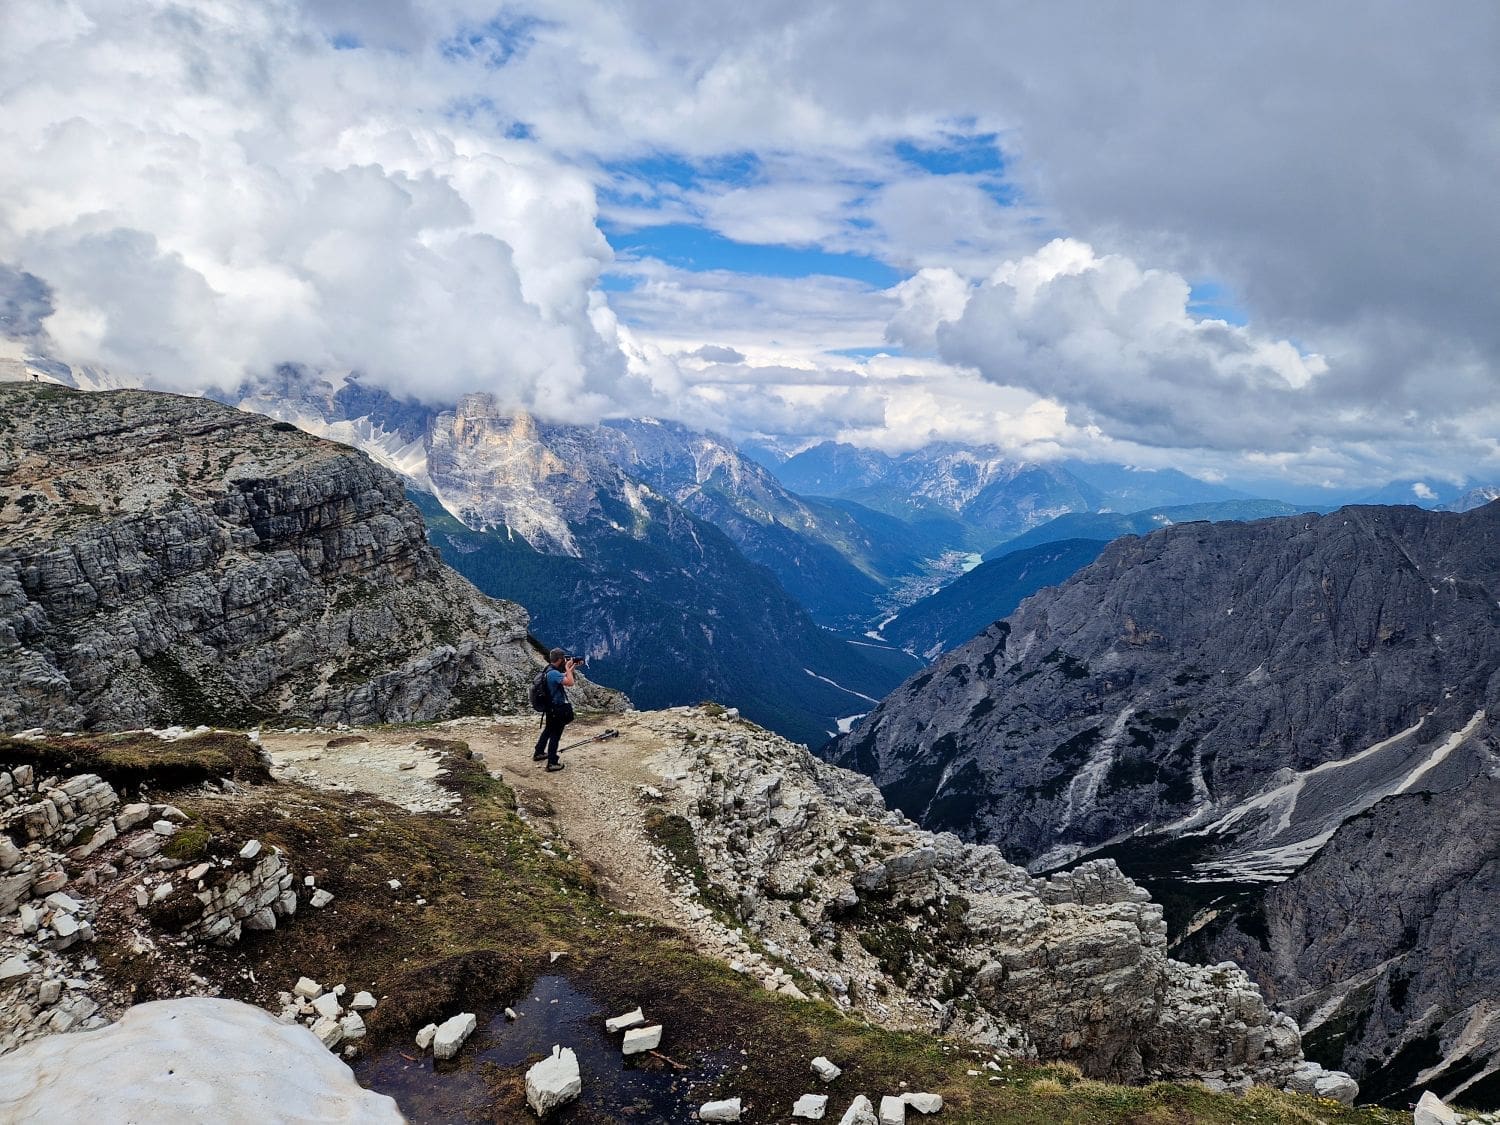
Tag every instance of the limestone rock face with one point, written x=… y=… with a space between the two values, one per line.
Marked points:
x=166 y=558
x=194 y=1059
x=1258 y=682
x=1415 y=883
x=919 y=929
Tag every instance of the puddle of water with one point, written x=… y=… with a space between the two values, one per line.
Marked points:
x=614 y=1089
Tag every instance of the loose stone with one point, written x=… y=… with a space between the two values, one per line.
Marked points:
x=639 y=1039
x=553 y=1082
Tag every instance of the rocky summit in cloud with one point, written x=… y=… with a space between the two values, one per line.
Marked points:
x=1247 y=242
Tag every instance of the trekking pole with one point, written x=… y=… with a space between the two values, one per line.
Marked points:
x=603 y=736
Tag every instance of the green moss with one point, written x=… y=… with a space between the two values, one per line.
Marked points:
x=188 y=845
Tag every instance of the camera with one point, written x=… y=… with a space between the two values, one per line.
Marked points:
x=578 y=661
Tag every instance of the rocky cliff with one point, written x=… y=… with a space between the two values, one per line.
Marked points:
x=171 y=559
x=1211 y=704
x=1400 y=988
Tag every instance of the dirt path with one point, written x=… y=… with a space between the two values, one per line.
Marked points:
x=594 y=808
x=595 y=804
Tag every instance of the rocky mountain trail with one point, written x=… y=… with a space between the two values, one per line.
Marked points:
x=490 y=908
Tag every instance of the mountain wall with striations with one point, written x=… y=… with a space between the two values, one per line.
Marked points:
x=1259 y=721
x=169 y=559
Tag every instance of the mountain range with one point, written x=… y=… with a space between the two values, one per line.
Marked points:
x=1258 y=720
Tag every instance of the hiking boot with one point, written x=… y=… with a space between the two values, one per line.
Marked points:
x=539 y=757
x=553 y=767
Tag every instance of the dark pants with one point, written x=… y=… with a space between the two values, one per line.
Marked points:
x=557 y=718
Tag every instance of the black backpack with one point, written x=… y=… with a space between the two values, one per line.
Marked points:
x=541 y=692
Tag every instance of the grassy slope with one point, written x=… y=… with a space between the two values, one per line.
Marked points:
x=497 y=903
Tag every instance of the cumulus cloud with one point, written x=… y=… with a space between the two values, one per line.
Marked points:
x=207 y=191
x=1423 y=491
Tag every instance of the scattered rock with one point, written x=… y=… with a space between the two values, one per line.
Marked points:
x=553 y=1082
x=555 y=954
x=825 y=1069
x=131 y=815
x=362 y=1002
x=629 y=1019
x=860 y=1112
x=892 y=1111
x=307 y=987
x=164 y=828
x=510 y=1014
x=924 y=1103
x=426 y=1036
x=328 y=1005
x=321 y=898
x=352 y=1026
x=144 y=847
x=1432 y=1111
x=451 y=1034
x=639 y=1039
x=726 y=1110
x=811 y=1106
x=250 y=850
x=328 y=1031
x=14 y=968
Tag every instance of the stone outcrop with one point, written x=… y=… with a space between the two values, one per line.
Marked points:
x=67 y=845
x=166 y=558
x=922 y=930
x=193 y=1059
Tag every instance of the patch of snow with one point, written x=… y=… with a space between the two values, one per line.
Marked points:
x=840 y=686
x=846 y=724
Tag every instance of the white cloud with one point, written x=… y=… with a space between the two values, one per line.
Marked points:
x=209 y=191
x=1423 y=491
x=205 y=188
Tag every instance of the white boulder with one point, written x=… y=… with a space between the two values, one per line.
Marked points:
x=892 y=1111
x=328 y=1030
x=825 y=1069
x=451 y=1034
x=628 y=1020
x=639 y=1039
x=328 y=1006
x=307 y=987
x=811 y=1106
x=193 y=1059
x=13 y=968
x=726 y=1110
x=924 y=1103
x=1431 y=1111
x=553 y=1081
x=362 y=1002
x=321 y=898
x=860 y=1112
x=425 y=1036
x=250 y=850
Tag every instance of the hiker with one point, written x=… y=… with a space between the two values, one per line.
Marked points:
x=559 y=710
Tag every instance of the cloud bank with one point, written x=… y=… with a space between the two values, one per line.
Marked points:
x=993 y=224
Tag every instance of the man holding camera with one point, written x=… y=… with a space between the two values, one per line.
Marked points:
x=559 y=708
